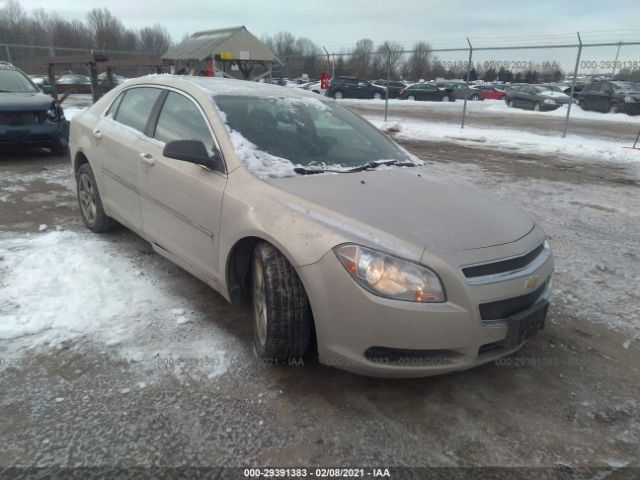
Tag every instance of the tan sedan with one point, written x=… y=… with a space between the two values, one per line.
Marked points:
x=342 y=240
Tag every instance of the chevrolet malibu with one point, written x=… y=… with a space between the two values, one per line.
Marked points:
x=342 y=242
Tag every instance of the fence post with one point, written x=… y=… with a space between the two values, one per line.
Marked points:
x=386 y=97
x=573 y=87
x=615 y=62
x=8 y=53
x=464 y=107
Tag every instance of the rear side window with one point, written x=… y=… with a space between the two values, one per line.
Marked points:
x=592 y=87
x=180 y=119
x=136 y=106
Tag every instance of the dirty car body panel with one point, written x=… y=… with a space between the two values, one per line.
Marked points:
x=490 y=259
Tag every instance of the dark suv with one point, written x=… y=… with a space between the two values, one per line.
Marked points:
x=612 y=97
x=28 y=117
x=352 y=87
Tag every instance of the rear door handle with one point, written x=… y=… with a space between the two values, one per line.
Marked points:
x=97 y=133
x=147 y=159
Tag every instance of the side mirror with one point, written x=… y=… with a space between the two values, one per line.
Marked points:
x=47 y=89
x=193 y=151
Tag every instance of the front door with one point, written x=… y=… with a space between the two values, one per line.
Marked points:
x=181 y=201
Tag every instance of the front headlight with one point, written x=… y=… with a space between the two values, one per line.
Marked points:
x=389 y=276
x=550 y=101
x=54 y=113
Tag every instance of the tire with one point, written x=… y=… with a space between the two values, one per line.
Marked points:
x=510 y=104
x=377 y=96
x=475 y=98
x=614 y=108
x=338 y=94
x=445 y=98
x=282 y=319
x=411 y=98
x=536 y=107
x=90 y=203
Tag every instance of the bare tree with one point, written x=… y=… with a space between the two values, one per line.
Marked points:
x=108 y=30
x=418 y=65
x=154 y=39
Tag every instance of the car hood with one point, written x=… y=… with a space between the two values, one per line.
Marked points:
x=20 y=102
x=406 y=205
x=554 y=94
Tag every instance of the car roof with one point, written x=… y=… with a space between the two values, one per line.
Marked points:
x=221 y=86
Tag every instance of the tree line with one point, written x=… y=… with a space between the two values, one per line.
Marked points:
x=99 y=30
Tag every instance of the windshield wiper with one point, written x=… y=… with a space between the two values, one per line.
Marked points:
x=313 y=171
x=371 y=165
x=359 y=168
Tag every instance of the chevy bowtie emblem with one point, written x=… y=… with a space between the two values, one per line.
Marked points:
x=532 y=282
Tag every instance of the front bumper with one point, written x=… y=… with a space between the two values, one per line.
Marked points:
x=366 y=334
x=36 y=135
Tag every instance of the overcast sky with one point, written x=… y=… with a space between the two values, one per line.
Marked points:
x=340 y=23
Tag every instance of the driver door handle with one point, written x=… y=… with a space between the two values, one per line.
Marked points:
x=147 y=159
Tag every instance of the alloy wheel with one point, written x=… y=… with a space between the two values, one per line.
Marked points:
x=87 y=197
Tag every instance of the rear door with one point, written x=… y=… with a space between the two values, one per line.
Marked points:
x=118 y=136
x=431 y=92
x=604 y=97
x=589 y=95
x=181 y=201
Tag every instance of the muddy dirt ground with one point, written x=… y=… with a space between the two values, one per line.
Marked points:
x=568 y=399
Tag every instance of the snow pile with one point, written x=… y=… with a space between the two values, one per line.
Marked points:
x=260 y=163
x=61 y=284
x=516 y=141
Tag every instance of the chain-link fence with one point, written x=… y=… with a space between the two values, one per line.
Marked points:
x=550 y=89
x=533 y=87
x=32 y=59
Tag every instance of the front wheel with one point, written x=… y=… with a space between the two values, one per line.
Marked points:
x=536 y=107
x=91 y=209
x=475 y=98
x=411 y=98
x=281 y=312
x=445 y=98
x=337 y=95
x=377 y=96
x=614 y=108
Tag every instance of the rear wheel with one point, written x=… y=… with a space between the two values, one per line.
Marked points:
x=510 y=104
x=445 y=98
x=614 y=108
x=536 y=106
x=411 y=98
x=338 y=95
x=281 y=311
x=91 y=209
x=475 y=97
x=377 y=96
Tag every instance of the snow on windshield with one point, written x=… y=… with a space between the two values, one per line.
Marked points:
x=273 y=135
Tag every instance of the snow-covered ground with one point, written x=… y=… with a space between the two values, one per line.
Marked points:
x=576 y=146
x=492 y=106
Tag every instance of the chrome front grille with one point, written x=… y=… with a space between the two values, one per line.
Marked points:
x=507 y=268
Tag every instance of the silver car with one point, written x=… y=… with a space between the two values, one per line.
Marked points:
x=341 y=240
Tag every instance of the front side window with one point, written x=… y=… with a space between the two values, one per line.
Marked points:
x=306 y=131
x=136 y=106
x=180 y=119
x=12 y=81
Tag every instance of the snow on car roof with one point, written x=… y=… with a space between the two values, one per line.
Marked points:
x=229 y=86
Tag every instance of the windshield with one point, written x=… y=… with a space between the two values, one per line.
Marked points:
x=307 y=131
x=553 y=88
x=626 y=87
x=15 y=82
